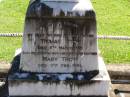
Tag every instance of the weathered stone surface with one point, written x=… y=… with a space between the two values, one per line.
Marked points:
x=60 y=37
x=24 y=85
x=61 y=88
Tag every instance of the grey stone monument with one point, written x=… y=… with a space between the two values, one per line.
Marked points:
x=59 y=55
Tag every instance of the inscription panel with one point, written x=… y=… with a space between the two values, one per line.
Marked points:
x=59 y=46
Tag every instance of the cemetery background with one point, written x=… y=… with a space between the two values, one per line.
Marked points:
x=113 y=18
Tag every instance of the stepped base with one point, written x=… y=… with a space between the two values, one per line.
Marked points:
x=96 y=87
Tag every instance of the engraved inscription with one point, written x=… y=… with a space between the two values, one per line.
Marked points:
x=60 y=45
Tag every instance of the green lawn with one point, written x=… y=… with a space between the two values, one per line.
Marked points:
x=12 y=13
x=115 y=51
x=113 y=18
x=8 y=46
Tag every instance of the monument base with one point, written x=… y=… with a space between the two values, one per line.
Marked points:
x=42 y=85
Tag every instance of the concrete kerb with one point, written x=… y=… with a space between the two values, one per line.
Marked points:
x=119 y=71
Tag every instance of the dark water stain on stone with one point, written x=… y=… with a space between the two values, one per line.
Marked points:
x=17 y=78
x=4 y=90
x=15 y=64
x=38 y=9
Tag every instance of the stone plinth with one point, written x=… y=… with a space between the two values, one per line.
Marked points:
x=33 y=84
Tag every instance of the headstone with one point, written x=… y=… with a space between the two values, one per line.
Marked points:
x=59 y=54
x=59 y=38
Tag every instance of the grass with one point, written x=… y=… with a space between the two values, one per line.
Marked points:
x=115 y=51
x=8 y=46
x=12 y=13
x=113 y=18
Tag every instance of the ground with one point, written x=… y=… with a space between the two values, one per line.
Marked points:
x=124 y=87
